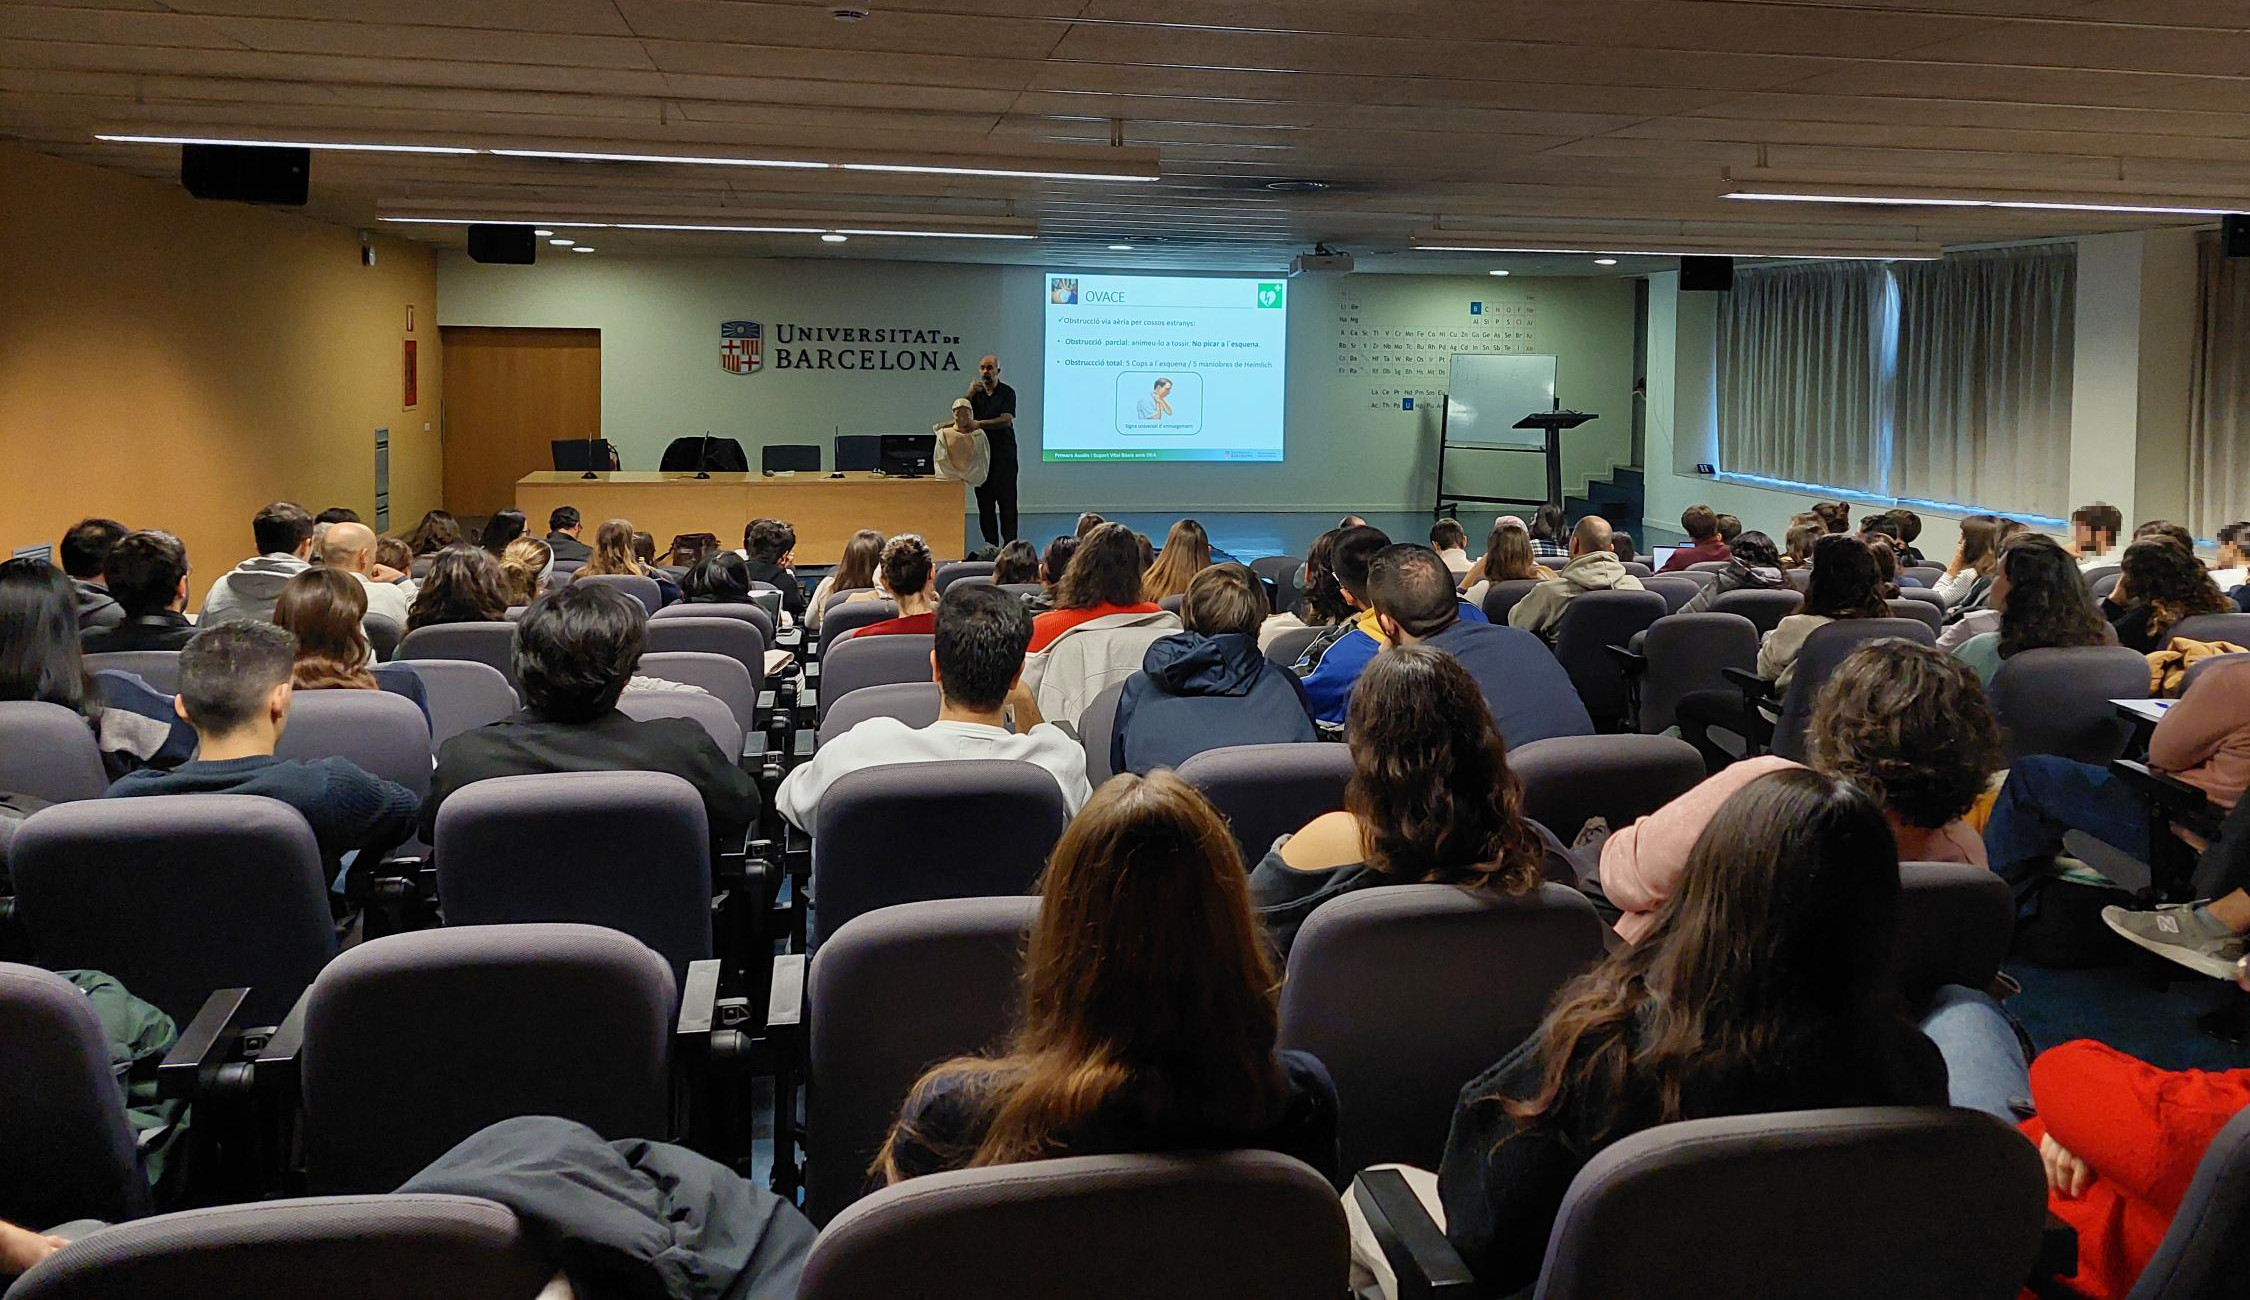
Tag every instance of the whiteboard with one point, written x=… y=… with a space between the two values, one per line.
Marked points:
x=1490 y=391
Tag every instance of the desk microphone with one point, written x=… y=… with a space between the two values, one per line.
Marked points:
x=703 y=457
x=589 y=456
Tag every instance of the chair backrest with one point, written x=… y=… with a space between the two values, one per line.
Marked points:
x=1267 y=791
x=838 y=596
x=913 y=703
x=1238 y=1225
x=2100 y=572
x=65 y=1150
x=1828 y=646
x=444 y=1032
x=802 y=457
x=1026 y=590
x=159 y=668
x=1954 y=925
x=1923 y=594
x=1591 y=623
x=905 y=832
x=1500 y=597
x=416 y=1247
x=1407 y=992
x=1930 y=574
x=383 y=635
x=752 y=614
x=1859 y=1203
x=1689 y=652
x=2206 y=1253
x=723 y=676
x=491 y=644
x=1084 y=662
x=1764 y=607
x=707 y=711
x=384 y=734
x=972 y=580
x=1800 y=578
x=1281 y=571
x=639 y=588
x=2057 y=700
x=864 y=661
x=891 y=993
x=463 y=696
x=1097 y=726
x=1639 y=570
x=1569 y=779
x=1676 y=589
x=1709 y=566
x=2212 y=627
x=741 y=639
x=48 y=752
x=2200 y=667
x=177 y=895
x=2099 y=586
x=627 y=850
x=1173 y=603
x=954 y=570
x=1288 y=645
x=1919 y=610
x=850 y=617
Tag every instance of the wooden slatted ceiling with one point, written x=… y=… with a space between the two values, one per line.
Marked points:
x=1547 y=114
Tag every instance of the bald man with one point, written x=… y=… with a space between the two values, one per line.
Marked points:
x=994 y=405
x=1593 y=566
x=351 y=548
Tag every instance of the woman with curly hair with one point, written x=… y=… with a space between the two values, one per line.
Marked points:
x=1431 y=799
x=2162 y=583
x=1907 y=723
x=465 y=585
x=2037 y=601
x=437 y=531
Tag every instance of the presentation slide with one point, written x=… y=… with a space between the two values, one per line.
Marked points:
x=1164 y=367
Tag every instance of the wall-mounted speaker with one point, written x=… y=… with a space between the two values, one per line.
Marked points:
x=1706 y=274
x=2234 y=234
x=242 y=173
x=504 y=245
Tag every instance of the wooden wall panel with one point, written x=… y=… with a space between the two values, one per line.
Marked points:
x=508 y=394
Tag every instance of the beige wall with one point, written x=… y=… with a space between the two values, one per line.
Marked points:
x=177 y=364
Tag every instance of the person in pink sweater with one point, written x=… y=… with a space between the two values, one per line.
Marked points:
x=1905 y=722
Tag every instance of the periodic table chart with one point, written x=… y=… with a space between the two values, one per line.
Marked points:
x=1393 y=351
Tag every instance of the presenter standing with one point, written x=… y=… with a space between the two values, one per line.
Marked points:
x=994 y=405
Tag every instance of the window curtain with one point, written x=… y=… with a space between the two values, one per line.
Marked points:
x=1982 y=413
x=2219 y=394
x=1801 y=374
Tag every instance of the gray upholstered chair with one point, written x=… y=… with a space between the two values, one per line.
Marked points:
x=1709 y=566
x=48 y=752
x=738 y=638
x=851 y=617
x=1281 y=571
x=443 y=1032
x=913 y=703
x=1267 y=791
x=2057 y=701
x=639 y=588
x=1569 y=779
x=492 y=644
x=383 y=635
x=65 y=1149
x=1243 y=1225
x=159 y=668
x=954 y=570
x=893 y=992
x=1500 y=597
x=1590 y=623
x=1676 y=589
x=861 y=662
x=384 y=734
x=1288 y=645
x=1920 y=610
x=1690 y=652
x=707 y=711
x=1829 y=645
x=2206 y=1253
x=2212 y=627
x=745 y=613
x=721 y=676
x=1955 y=922
x=463 y=696
x=1407 y=992
x=1764 y=607
x=1097 y=727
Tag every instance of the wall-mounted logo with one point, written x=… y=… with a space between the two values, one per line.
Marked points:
x=741 y=347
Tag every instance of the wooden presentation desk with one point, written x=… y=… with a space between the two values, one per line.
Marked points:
x=825 y=511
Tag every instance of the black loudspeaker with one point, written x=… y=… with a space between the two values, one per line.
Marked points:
x=241 y=173
x=1706 y=274
x=2234 y=234
x=506 y=245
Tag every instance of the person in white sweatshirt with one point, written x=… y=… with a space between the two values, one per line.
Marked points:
x=284 y=532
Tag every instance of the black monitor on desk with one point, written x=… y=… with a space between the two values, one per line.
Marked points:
x=582 y=454
x=908 y=455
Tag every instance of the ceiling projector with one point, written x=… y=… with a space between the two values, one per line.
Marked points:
x=1321 y=261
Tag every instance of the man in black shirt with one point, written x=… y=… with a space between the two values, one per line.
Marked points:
x=994 y=405
x=147 y=575
x=769 y=554
x=562 y=534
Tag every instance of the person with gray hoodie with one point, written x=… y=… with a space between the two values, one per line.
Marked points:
x=284 y=532
x=1756 y=566
x=1593 y=566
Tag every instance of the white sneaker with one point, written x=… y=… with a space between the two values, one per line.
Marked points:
x=2175 y=933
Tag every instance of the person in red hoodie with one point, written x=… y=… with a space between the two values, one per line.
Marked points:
x=1701 y=524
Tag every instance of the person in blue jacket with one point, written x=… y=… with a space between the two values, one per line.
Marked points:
x=1328 y=683
x=1209 y=686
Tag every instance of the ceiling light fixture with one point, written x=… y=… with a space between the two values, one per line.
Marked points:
x=1605 y=261
x=1496 y=273
x=833 y=238
x=335 y=145
x=1120 y=248
x=826 y=233
x=542 y=233
x=1925 y=201
x=937 y=234
x=562 y=243
x=591 y=155
x=1041 y=174
x=583 y=248
x=1807 y=256
x=1767 y=186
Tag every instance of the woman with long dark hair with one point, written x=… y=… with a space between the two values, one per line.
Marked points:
x=720 y=578
x=464 y=585
x=2161 y=583
x=1148 y=1020
x=323 y=609
x=2037 y=600
x=1187 y=552
x=1104 y=578
x=437 y=531
x=1550 y=533
x=503 y=528
x=134 y=725
x=1431 y=799
x=1320 y=601
x=1016 y=564
x=1766 y=986
x=854 y=572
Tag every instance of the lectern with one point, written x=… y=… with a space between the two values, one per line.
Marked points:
x=1553 y=422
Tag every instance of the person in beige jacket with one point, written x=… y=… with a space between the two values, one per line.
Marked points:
x=1592 y=567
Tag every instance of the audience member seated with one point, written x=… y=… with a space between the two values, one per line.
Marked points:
x=909 y=575
x=2161 y=584
x=563 y=526
x=1765 y=986
x=770 y=546
x=978 y=665
x=1053 y=563
x=392 y=554
x=1187 y=552
x=1104 y=578
x=720 y=578
x=2203 y=740
x=283 y=532
x=350 y=548
x=1752 y=565
x=527 y=568
x=854 y=572
x=1975 y=559
x=1835 y=516
x=1209 y=686
x=1909 y=529
x=1901 y=721
x=1592 y=567
x=1148 y=1020
x=1550 y=533
x=617 y=550
x=502 y=528
x=146 y=576
x=1087 y=522
x=2094 y=533
x=576 y=648
x=1529 y=693
x=331 y=515
x=1015 y=564
x=1451 y=542
x=437 y=531
x=2037 y=600
x=1320 y=602
x=1886 y=562
x=84 y=556
x=325 y=611
x=1431 y=800
x=1798 y=543
x=1508 y=558
x=1621 y=545
x=235 y=691
x=2166 y=528
x=133 y=724
x=464 y=585
x=1701 y=524
x=1333 y=661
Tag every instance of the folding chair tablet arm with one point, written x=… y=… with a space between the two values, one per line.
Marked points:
x=1634 y=666
x=1425 y=1263
x=1757 y=696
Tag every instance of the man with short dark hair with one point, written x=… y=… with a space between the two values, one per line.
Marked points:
x=1701 y=524
x=1730 y=527
x=1530 y=693
x=82 y=556
x=576 y=648
x=1593 y=567
x=563 y=525
x=769 y=547
x=1451 y=541
x=2093 y=534
x=235 y=692
x=284 y=533
x=147 y=575
x=909 y=574
x=977 y=662
x=1331 y=665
